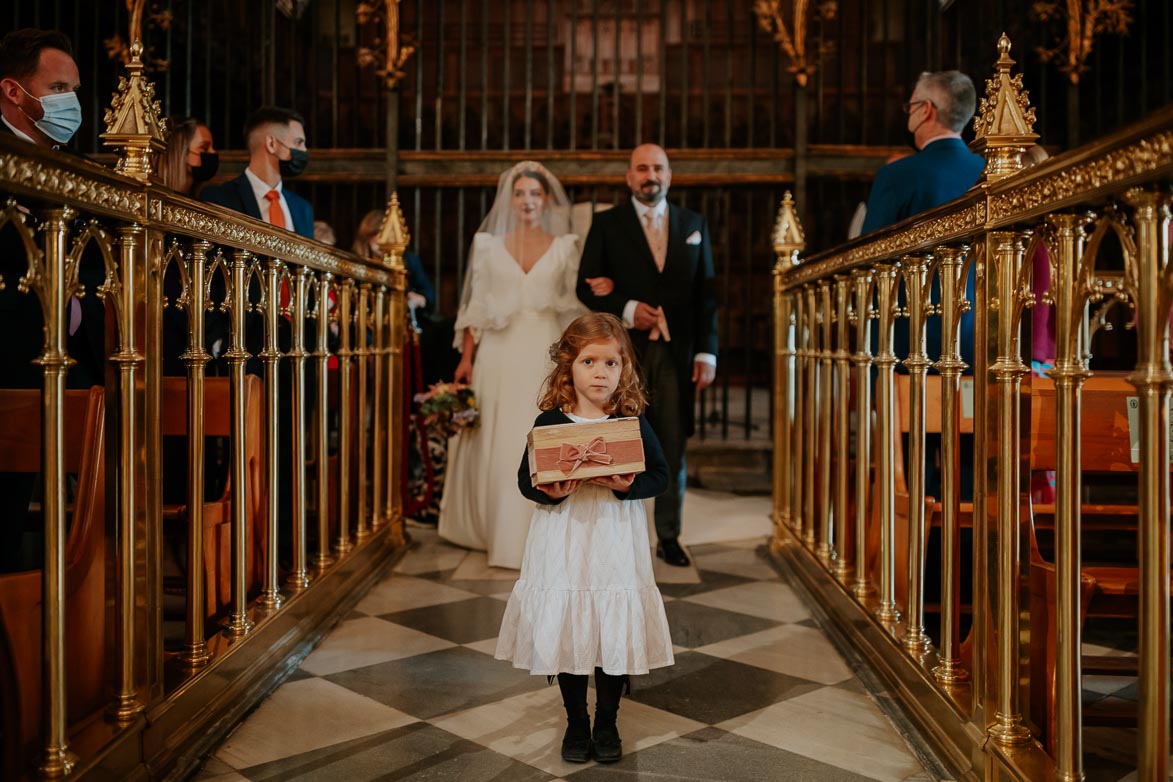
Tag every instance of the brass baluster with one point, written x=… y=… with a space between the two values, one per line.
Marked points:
x=783 y=404
x=1150 y=280
x=346 y=414
x=362 y=351
x=788 y=241
x=133 y=259
x=823 y=549
x=270 y=598
x=798 y=435
x=393 y=241
x=1008 y=370
x=842 y=564
x=322 y=420
x=862 y=282
x=298 y=578
x=952 y=274
x=917 y=277
x=239 y=623
x=1068 y=290
x=380 y=405
x=57 y=283
x=811 y=414
x=886 y=277
x=195 y=647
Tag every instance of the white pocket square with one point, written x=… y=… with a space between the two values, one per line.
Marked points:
x=693 y=238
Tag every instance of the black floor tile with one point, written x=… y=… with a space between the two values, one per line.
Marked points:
x=710 y=580
x=417 y=751
x=428 y=685
x=711 y=690
x=462 y=622
x=713 y=754
x=694 y=625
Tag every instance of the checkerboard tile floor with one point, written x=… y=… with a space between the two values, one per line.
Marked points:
x=406 y=688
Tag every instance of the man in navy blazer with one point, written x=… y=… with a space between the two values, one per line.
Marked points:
x=649 y=262
x=276 y=152
x=943 y=168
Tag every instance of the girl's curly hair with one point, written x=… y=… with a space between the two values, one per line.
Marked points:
x=558 y=392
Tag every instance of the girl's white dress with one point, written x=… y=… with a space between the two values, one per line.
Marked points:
x=586 y=596
x=516 y=316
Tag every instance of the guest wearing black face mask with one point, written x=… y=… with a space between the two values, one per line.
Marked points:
x=276 y=149
x=190 y=158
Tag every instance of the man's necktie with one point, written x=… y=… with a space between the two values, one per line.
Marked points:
x=276 y=213
x=658 y=246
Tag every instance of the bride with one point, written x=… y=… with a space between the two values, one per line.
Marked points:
x=518 y=296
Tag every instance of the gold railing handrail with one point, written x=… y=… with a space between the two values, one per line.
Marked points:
x=981 y=250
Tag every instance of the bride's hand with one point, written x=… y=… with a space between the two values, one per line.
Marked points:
x=463 y=372
x=601 y=286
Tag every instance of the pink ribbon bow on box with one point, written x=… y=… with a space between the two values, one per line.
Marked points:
x=594 y=451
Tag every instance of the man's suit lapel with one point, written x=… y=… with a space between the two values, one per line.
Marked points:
x=675 y=255
x=631 y=224
x=248 y=199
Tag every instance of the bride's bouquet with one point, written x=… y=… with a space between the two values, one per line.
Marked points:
x=448 y=407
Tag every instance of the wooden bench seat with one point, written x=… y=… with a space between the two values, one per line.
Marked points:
x=85 y=576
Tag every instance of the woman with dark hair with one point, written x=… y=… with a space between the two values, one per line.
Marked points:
x=518 y=296
x=190 y=157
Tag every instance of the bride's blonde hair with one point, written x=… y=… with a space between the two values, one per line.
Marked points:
x=558 y=391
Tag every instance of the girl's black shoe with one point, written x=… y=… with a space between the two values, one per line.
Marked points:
x=576 y=742
x=607 y=744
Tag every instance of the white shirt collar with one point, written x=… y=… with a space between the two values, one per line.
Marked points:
x=641 y=209
x=20 y=133
x=259 y=186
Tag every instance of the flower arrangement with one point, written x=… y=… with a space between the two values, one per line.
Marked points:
x=449 y=407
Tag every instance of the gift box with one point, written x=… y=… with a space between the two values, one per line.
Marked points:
x=577 y=451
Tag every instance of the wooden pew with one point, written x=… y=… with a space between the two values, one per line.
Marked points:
x=218 y=511
x=1109 y=590
x=85 y=576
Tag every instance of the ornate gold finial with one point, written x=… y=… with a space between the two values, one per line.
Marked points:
x=391 y=50
x=1004 y=124
x=788 y=238
x=134 y=127
x=393 y=234
x=769 y=13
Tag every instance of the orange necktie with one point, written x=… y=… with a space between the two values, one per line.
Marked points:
x=276 y=214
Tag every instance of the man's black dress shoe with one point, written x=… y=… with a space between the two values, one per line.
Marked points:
x=671 y=552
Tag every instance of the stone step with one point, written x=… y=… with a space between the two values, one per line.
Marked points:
x=734 y=479
x=754 y=455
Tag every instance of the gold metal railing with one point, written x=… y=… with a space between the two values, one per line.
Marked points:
x=837 y=511
x=167 y=696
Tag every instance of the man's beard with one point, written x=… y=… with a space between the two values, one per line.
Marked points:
x=655 y=194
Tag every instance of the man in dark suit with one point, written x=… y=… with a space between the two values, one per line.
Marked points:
x=650 y=263
x=38 y=105
x=276 y=152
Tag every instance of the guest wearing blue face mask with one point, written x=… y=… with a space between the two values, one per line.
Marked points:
x=38 y=87
x=38 y=105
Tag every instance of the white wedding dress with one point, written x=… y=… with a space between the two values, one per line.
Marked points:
x=517 y=317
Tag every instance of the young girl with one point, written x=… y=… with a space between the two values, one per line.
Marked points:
x=586 y=599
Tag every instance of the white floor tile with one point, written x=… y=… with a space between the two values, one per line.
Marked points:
x=401 y=592
x=475 y=567
x=529 y=727
x=303 y=716
x=833 y=726
x=358 y=643
x=791 y=649
x=431 y=557
x=767 y=599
